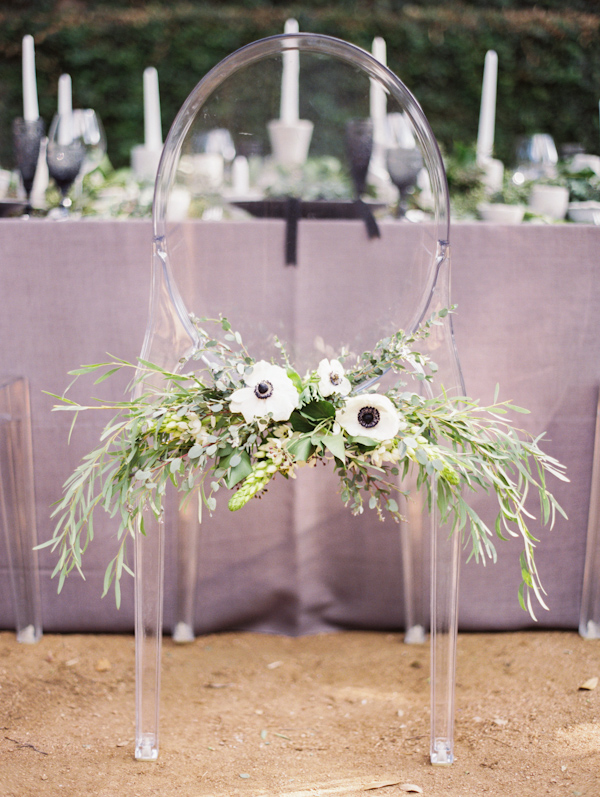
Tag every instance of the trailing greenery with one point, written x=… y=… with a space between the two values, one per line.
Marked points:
x=234 y=423
x=549 y=59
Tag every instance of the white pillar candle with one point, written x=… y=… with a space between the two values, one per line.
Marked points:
x=65 y=110
x=30 y=99
x=290 y=80
x=241 y=176
x=152 y=124
x=487 y=114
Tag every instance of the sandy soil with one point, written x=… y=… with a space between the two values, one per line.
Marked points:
x=339 y=714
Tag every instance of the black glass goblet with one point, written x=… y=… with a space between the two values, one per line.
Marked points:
x=403 y=165
x=65 y=154
x=27 y=136
x=359 y=146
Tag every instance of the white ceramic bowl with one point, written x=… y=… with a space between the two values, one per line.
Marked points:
x=583 y=161
x=585 y=212
x=501 y=214
x=549 y=200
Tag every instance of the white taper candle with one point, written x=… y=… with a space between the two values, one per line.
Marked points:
x=487 y=114
x=290 y=80
x=152 y=124
x=378 y=98
x=30 y=99
x=65 y=110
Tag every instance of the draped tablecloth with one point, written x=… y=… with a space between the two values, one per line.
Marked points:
x=528 y=318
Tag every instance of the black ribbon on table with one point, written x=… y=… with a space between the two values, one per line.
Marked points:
x=293 y=213
x=366 y=214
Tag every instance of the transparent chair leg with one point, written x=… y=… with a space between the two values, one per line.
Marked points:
x=589 y=620
x=444 y=617
x=187 y=570
x=17 y=507
x=149 y=569
x=414 y=537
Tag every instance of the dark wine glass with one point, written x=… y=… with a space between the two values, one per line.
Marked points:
x=359 y=147
x=65 y=154
x=403 y=165
x=27 y=136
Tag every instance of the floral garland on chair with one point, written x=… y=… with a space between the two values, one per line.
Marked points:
x=202 y=431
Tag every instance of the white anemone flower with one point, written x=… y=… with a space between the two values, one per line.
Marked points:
x=269 y=390
x=369 y=415
x=332 y=379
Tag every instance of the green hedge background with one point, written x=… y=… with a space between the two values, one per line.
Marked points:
x=549 y=59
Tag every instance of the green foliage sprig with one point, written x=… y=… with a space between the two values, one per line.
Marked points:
x=318 y=178
x=234 y=423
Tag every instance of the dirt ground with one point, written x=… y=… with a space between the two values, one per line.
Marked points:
x=267 y=716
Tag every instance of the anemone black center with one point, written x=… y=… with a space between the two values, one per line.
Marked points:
x=368 y=417
x=263 y=390
x=334 y=378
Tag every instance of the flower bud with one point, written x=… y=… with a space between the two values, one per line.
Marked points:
x=252 y=485
x=450 y=475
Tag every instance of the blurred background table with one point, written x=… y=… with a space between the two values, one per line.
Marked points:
x=528 y=307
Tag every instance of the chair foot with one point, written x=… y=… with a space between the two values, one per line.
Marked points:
x=589 y=630
x=146 y=748
x=415 y=635
x=29 y=635
x=441 y=753
x=183 y=633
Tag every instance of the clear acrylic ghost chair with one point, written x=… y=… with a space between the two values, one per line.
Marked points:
x=589 y=620
x=207 y=260
x=17 y=506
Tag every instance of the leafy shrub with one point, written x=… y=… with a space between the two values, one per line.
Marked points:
x=549 y=60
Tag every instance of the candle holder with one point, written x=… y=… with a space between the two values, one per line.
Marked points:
x=290 y=141
x=144 y=163
x=492 y=174
x=27 y=136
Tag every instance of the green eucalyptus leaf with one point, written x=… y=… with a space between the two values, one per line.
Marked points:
x=318 y=410
x=421 y=456
x=295 y=379
x=239 y=471
x=335 y=444
x=299 y=423
x=301 y=449
x=366 y=442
